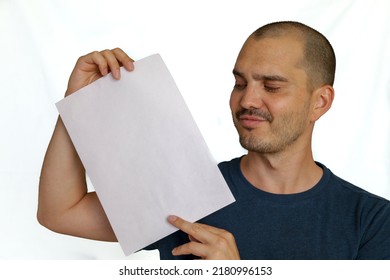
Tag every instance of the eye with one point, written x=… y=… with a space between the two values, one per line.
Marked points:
x=239 y=86
x=271 y=89
x=239 y=82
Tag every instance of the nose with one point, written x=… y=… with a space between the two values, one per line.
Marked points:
x=251 y=98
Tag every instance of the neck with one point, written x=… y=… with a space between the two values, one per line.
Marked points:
x=282 y=173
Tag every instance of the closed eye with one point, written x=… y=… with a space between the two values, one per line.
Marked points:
x=239 y=86
x=271 y=89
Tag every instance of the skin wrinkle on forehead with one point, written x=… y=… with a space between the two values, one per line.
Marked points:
x=283 y=55
x=299 y=37
x=259 y=77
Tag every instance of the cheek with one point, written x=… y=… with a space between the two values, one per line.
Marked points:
x=234 y=101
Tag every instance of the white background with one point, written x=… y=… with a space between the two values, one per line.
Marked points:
x=199 y=41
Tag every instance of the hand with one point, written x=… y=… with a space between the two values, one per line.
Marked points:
x=95 y=65
x=206 y=242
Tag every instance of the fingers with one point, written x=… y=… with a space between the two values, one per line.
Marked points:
x=108 y=61
x=206 y=241
x=96 y=64
x=191 y=248
x=115 y=59
x=124 y=59
x=201 y=232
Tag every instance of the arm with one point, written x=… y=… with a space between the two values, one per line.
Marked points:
x=207 y=242
x=64 y=204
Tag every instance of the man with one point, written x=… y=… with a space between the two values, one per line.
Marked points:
x=287 y=205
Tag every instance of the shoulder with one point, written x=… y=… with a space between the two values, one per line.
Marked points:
x=372 y=210
x=233 y=161
x=369 y=212
x=231 y=166
x=342 y=186
x=231 y=170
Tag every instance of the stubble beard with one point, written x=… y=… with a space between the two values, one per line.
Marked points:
x=283 y=132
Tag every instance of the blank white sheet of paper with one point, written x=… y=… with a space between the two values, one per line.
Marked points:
x=143 y=153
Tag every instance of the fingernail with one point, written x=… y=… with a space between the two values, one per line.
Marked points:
x=172 y=218
x=129 y=66
x=117 y=74
x=104 y=71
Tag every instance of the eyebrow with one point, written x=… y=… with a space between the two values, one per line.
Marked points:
x=258 y=77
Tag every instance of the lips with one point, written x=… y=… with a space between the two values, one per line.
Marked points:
x=250 y=121
x=252 y=118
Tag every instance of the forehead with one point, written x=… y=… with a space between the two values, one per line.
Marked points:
x=270 y=54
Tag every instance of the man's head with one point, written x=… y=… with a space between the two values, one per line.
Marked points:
x=319 y=59
x=284 y=76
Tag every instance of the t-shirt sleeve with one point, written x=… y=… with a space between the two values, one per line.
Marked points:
x=375 y=242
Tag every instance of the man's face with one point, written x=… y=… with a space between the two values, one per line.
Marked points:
x=270 y=101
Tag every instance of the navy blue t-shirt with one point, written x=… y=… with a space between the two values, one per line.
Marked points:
x=332 y=220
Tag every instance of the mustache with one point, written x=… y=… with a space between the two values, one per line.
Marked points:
x=255 y=112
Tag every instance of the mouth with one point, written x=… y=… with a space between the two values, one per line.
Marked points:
x=250 y=122
x=251 y=119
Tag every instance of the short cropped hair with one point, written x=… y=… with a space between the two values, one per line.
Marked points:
x=319 y=59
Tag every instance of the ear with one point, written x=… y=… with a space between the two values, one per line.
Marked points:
x=322 y=99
